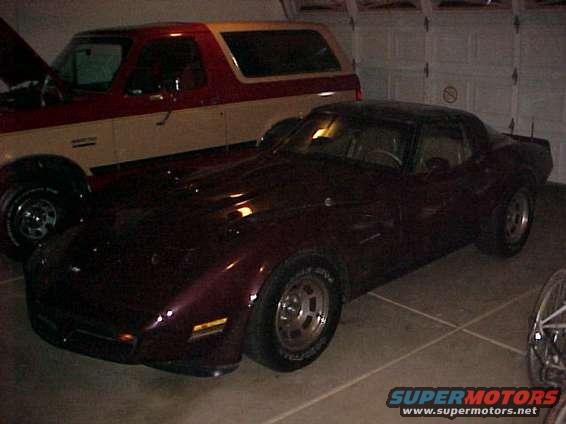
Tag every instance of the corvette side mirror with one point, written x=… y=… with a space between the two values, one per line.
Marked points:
x=278 y=133
x=437 y=165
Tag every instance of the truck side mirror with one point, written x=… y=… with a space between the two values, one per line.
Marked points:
x=172 y=86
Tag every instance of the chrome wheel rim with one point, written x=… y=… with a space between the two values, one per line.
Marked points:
x=302 y=313
x=36 y=217
x=517 y=217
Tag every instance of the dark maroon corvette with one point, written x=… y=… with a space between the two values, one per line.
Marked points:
x=190 y=271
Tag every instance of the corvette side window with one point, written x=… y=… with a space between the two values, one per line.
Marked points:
x=445 y=145
x=171 y=64
x=380 y=144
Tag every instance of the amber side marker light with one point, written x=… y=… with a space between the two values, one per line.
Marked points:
x=208 y=328
x=126 y=338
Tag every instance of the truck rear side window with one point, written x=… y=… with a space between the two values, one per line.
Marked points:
x=281 y=52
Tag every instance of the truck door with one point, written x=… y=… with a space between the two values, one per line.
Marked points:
x=171 y=104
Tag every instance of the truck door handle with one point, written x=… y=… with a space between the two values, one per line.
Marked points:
x=165 y=119
x=156 y=97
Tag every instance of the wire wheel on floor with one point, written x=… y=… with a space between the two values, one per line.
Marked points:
x=557 y=415
x=295 y=315
x=547 y=337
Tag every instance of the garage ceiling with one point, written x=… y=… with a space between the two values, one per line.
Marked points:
x=504 y=60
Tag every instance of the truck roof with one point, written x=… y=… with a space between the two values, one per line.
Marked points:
x=158 y=28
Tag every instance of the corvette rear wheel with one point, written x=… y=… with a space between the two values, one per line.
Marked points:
x=295 y=315
x=508 y=228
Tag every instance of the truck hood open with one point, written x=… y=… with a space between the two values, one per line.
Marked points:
x=19 y=62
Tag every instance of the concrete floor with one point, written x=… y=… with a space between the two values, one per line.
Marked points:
x=459 y=321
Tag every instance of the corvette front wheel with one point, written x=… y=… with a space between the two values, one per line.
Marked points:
x=295 y=315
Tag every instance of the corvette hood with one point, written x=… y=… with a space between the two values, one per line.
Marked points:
x=262 y=184
x=146 y=248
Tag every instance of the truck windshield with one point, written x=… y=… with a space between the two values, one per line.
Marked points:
x=91 y=63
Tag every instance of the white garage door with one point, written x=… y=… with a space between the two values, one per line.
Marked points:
x=506 y=64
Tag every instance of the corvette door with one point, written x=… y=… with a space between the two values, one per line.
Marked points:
x=440 y=204
x=370 y=218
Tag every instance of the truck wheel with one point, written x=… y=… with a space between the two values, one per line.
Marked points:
x=508 y=228
x=29 y=213
x=295 y=315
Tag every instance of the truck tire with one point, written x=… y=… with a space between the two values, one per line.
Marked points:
x=30 y=212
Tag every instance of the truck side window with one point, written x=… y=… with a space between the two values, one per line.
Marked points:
x=167 y=64
x=280 y=52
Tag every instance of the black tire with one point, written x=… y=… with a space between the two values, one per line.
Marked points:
x=507 y=229
x=551 y=297
x=29 y=213
x=283 y=334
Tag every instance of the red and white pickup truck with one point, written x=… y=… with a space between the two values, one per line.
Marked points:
x=118 y=100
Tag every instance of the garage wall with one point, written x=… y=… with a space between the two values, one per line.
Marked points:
x=509 y=71
x=48 y=24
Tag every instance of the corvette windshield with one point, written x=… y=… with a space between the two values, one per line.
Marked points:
x=92 y=63
x=371 y=141
x=322 y=134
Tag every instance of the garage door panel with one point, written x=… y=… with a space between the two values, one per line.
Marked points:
x=492 y=101
x=470 y=53
x=545 y=48
x=408 y=47
x=375 y=82
x=493 y=48
x=407 y=86
x=449 y=47
x=374 y=48
x=546 y=104
x=392 y=84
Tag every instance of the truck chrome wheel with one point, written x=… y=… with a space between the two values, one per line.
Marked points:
x=36 y=216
